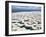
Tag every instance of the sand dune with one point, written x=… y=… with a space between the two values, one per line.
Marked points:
x=26 y=21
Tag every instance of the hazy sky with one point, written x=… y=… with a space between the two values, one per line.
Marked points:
x=25 y=8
